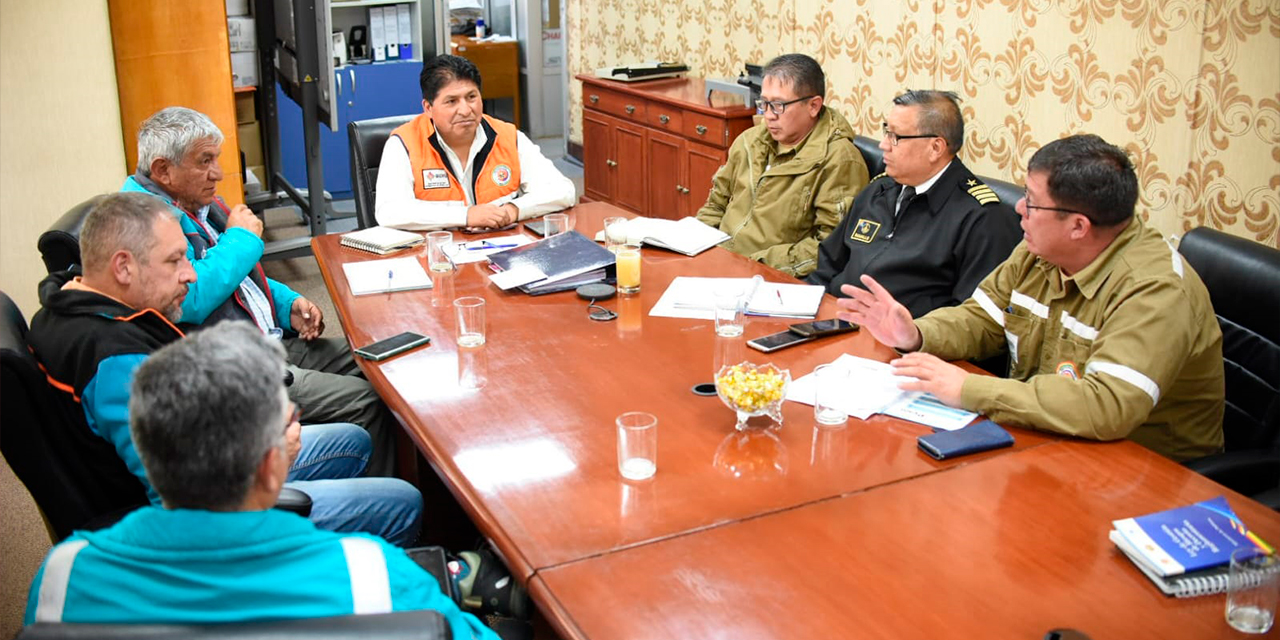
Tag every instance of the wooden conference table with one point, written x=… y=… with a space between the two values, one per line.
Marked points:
x=792 y=532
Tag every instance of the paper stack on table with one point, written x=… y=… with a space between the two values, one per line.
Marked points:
x=689 y=297
x=873 y=388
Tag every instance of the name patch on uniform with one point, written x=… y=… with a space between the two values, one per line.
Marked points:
x=501 y=175
x=1068 y=370
x=865 y=230
x=435 y=179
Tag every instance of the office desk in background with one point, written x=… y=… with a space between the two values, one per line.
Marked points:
x=499 y=65
x=532 y=458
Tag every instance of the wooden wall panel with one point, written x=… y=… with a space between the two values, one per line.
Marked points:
x=176 y=53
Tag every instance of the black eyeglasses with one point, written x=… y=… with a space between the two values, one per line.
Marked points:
x=1026 y=199
x=893 y=138
x=778 y=106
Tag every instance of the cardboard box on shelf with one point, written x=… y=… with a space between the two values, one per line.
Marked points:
x=250 y=143
x=246 y=108
x=237 y=8
x=244 y=69
x=241 y=33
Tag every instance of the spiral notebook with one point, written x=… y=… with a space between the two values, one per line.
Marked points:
x=1185 y=550
x=380 y=240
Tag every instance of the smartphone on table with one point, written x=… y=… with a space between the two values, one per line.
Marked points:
x=538 y=227
x=383 y=349
x=820 y=328
x=776 y=341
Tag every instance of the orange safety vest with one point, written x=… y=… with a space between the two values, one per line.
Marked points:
x=433 y=177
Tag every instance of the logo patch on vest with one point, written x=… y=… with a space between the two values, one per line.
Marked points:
x=501 y=175
x=435 y=179
x=865 y=231
x=1068 y=370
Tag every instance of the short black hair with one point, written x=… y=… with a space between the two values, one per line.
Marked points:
x=440 y=70
x=804 y=74
x=939 y=114
x=1089 y=175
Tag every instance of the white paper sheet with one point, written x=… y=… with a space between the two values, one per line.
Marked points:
x=516 y=277
x=689 y=297
x=929 y=411
x=480 y=250
x=872 y=387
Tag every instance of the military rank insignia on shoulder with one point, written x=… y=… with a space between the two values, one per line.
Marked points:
x=981 y=192
x=877 y=177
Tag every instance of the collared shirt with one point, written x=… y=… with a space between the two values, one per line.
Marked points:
x=255 y=300
x=933 y=254
x=1127 y=347
x=543 y=188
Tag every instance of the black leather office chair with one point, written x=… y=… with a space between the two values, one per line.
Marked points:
x=60 y=244
x=871 y=154
x=366 y=140
x=399 y=625
x=76 y=478
x=1243 y=278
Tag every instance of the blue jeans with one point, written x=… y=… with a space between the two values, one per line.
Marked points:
x=329 y=468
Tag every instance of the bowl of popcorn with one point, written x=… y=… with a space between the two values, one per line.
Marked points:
x=753 y=390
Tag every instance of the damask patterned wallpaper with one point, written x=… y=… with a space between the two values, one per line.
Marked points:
x=1190 y=87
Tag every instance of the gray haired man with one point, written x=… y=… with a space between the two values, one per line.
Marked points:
x=216 y=551
x=178 y=151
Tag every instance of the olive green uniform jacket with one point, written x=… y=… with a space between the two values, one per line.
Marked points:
x=777 y=207
x=1129 y=347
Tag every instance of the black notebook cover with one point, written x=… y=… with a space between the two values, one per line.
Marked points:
x=983 y=436
x=559 y=257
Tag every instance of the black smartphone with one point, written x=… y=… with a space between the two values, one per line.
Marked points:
x=780 y=340
x=383 y=349
x=538 y=227
x=820 y=328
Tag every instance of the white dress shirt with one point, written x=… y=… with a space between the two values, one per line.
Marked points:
x=543 y=188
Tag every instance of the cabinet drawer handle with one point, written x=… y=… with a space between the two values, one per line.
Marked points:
x=701 y=129
x=611 y=163
x=685 y=190
x=679 y=189
x=664 y=118
x=631 y=108
x=594 y=98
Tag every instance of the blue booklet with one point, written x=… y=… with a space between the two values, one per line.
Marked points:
x=1186 y=539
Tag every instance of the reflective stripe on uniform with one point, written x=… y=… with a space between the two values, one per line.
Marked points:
x=1127 y=374
x=1177 y=257
x=367 y=568
x=1079 y=328
x=57 y=574
x=1030 y=304
x=989 y=306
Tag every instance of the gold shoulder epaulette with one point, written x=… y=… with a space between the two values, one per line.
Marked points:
x=982 y=193
x=873 y=179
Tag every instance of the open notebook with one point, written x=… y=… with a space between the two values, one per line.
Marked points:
x=686 y=235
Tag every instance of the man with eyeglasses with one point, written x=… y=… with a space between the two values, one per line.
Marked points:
x=1110 y=332
x=790 y=179
x=927 y=228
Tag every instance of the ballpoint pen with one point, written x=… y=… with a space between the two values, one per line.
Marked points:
x=779 y=292
x=485 y=245
x=389 y=272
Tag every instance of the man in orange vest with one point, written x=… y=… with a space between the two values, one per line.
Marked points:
x=453 y=166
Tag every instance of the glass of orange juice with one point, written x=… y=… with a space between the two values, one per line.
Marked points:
x=629 y=268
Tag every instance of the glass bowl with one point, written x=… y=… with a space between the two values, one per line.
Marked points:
x=753 y=390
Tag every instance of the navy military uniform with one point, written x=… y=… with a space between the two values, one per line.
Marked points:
x=942 y=244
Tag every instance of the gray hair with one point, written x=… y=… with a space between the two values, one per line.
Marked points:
x=204 y=411
x=120 y=221
x=939 y=114
x=170 y=133
x=804 y=74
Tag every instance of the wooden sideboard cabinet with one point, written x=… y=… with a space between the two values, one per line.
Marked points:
x=652 y=147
